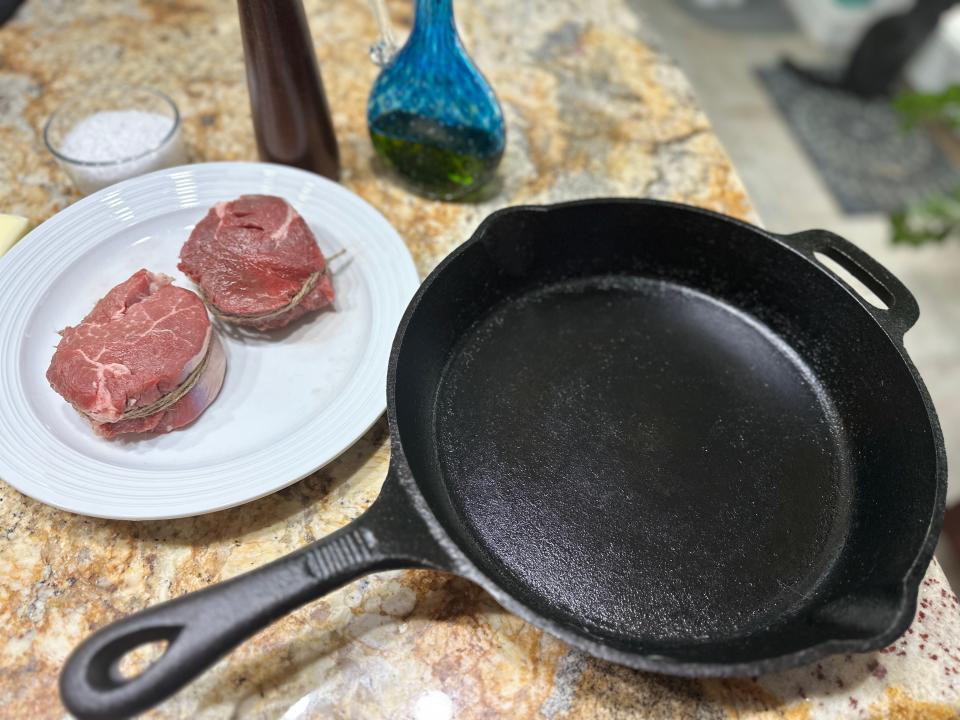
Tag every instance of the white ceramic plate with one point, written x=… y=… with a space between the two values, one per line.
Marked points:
x=291 y=401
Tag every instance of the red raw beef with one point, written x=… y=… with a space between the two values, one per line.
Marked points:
x=252 y=258
x=140 y=342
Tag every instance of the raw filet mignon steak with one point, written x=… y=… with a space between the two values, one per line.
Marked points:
x=145 y=359
x=257 y=263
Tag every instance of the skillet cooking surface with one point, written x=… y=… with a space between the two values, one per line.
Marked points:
x=640 y=458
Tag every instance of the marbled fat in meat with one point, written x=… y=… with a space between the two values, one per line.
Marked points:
x=252 y=256
x=140 y=342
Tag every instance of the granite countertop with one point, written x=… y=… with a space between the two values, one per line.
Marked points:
x=594 y=108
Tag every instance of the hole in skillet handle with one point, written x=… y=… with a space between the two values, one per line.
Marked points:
x=884 y=295
x=133 y=655
x=106 y=680
x=879 y=298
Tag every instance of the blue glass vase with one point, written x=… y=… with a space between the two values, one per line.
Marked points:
x=433 y=118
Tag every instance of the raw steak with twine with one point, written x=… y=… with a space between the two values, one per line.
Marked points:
x=257 y=263
x=145 y=359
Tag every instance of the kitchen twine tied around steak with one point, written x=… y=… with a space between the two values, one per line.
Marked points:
x=186 y=386
x=164 y=401
x=168 y=400
x=308 y=286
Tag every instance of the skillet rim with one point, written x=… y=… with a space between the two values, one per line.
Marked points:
x=461 y=564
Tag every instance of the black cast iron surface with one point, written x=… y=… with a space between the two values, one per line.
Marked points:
x=643 y=460
x=669 y=438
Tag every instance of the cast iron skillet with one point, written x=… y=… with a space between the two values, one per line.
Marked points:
x=669 y=438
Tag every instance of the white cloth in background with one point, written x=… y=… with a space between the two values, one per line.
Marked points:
x=837 y=27
x=937 y=65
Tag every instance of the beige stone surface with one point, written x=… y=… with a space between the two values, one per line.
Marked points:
x=593 y=109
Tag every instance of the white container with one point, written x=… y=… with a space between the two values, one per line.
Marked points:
x=937 y=66
x=113 y=133
x=838 y=27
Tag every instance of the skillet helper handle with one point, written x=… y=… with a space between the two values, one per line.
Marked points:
x=201 y=627
x=902 y=310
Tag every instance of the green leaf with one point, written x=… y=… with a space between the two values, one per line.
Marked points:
x=934 y=219
x=914 y=107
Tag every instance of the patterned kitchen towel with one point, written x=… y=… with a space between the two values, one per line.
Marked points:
x=741 y=16
x=859 y=147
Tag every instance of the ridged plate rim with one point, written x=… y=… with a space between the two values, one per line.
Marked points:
x=38 y=464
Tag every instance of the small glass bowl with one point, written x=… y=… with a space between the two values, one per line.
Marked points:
x=130 y=143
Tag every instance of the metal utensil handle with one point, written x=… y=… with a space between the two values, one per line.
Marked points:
x=203 y=626
x=902 y=309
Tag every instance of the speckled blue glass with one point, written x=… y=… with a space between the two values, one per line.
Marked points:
x=432 y=116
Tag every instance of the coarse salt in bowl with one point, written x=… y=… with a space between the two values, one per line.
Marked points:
x=114 y=132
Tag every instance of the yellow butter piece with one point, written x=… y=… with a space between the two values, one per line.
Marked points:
x=12 y=228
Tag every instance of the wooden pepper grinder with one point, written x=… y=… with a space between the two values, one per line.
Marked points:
x=291 y=117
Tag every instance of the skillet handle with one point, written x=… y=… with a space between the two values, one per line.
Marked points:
x=203 y=626
x=902 y=309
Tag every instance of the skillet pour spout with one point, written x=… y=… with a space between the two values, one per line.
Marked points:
x=672 y=439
